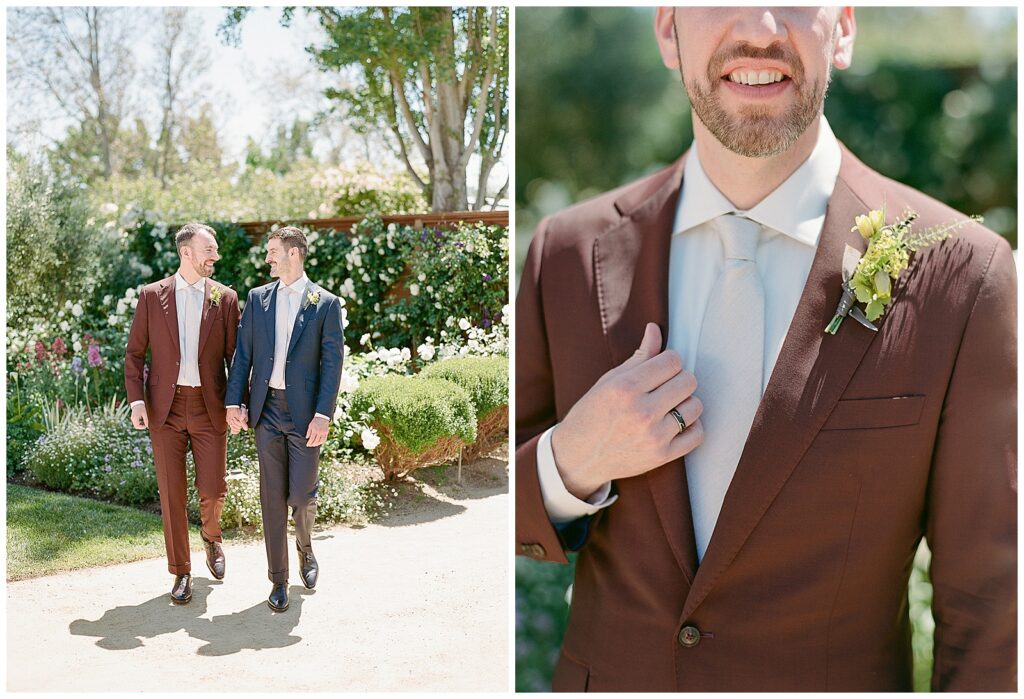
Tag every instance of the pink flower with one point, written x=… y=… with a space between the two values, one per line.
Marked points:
x=95 y=359
x=59 y=349
x=40 y=351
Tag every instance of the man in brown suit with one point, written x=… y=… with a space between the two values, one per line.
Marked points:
x=188 y=323
x=763 y=541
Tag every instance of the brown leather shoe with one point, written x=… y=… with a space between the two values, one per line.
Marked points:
x=214 y=558
x=181 y=593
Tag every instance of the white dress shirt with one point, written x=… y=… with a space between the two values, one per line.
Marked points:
x=289 y=300
x=791 y=219
x=188 y=299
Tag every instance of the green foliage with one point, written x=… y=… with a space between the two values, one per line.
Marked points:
x=99 y=454
x=50 y=236
x=418 y=411
x=484 y=378
x=541 y=616
x=204 y=192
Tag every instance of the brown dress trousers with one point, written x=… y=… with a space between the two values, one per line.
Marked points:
x=863 y=444
x=181 y=417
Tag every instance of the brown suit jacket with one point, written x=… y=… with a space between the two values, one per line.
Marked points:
x=863 y=443
x=155 y=327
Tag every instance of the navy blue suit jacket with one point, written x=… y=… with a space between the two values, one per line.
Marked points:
x=315 y=353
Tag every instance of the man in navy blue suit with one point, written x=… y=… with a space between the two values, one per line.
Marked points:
x=288 y=362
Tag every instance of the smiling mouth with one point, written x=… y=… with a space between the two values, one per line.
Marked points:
x=756 y=78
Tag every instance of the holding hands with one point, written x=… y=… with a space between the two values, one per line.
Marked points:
x=238 y=420
x=623 y=426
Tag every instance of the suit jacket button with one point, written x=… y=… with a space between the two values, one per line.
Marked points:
x=689 y=636
x=533 y=550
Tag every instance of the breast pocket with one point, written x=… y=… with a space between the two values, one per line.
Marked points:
x=873 y=413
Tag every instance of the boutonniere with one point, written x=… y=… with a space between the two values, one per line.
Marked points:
x=312 y=298
x=215 y=294
x=869 y=279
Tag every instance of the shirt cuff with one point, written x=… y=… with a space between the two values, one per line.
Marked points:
x=561 y=505
x=323 y=416
x=137 y=402
x=229 y=407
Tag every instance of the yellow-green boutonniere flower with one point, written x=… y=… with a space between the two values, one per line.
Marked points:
x=868 y=279
x=215 y=294
x=312 y=298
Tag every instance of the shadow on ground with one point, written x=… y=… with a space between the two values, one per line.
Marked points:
x=255 y=628
x=435 y=492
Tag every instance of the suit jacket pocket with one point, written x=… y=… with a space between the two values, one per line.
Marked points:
x=868 y=413
x=570 y=676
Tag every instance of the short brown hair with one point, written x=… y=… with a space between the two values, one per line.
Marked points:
x=185 y=234
x=291 y=237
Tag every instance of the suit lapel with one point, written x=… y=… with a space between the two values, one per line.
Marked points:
x=306 y=310
x=269 y=303
x=810 y=375
x=167 y=303
x=206 y=322
x=631 y=275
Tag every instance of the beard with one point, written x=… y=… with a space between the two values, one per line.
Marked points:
x=201 y=269
x=756 y=132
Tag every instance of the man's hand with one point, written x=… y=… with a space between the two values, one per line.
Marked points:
x=140 y=419
x=237 y=420
x=316 y=433
x=622 y=427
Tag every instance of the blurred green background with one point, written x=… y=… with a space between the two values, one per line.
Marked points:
x=931 y=101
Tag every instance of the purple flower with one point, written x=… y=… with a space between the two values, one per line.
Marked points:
x=486 y=323
x=95 y=359
x=108 y=468
x=107 y=458
x=76 y=366
x=487 y=277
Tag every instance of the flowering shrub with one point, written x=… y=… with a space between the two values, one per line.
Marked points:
x=309 y=190
x=99 y=454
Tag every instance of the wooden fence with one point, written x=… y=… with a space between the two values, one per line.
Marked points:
x=441 y=219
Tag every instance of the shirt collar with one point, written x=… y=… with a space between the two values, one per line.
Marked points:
x=795 y=208
x=299 y=284
x=180 y=283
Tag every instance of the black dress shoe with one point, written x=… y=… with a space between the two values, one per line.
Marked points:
x=308 y=569
x=278 y=600
x=182 y=591
x=214 y=558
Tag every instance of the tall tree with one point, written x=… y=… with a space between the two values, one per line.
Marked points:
x=79 y=57
x=435 y=78
x=182 y=60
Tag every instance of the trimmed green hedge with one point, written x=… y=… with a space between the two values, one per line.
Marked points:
x=418 y=411
x=485 y=378
x=421 y=421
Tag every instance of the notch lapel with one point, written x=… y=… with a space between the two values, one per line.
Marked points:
x=810 y=375
x=631 y=273
x=206 y=322
x=170 y=308
x=269 y=303
x=303 y=315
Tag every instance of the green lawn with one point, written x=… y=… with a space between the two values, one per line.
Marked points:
x=50 y=533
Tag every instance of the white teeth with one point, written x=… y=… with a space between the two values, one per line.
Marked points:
x=753 y=77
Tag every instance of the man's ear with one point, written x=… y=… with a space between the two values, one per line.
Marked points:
x=846 y=32
x=665 y=33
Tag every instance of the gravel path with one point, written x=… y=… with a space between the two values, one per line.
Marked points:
x=416 y=603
